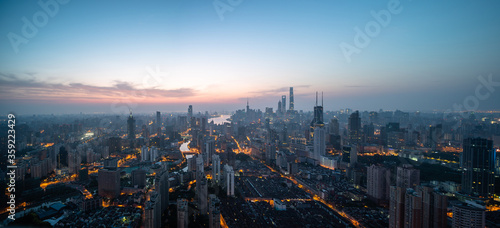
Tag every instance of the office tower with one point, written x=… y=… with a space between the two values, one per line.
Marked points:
x=468 y=216
x=131 y=127
x=396 y=207
x=283 y=103
x=318 y=112
x=319 y=132
x=138 y=177
x=334 y=126
x=378 y=183
x=162 y=187
x=229 y=180
x=190 y=114
x=108 y=182
x=216 y=169
x=291 y=99
x=319 y=142
x=248 y=107
x=280 y=111
x=214 y=211
x=182 y=213
x=407 y=176
x=478 y=167
x=354 y=125
x=158 y=123
x=152 y=211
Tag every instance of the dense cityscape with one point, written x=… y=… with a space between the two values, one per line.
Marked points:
x=250 y=113
x=251 y=168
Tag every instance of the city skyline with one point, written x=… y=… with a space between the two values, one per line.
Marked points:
x=167 y=55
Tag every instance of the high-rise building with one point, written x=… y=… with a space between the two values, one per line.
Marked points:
x=202 y=195
x=468 y=216
x=152 y=211
x=162 y=187
x=229 y=180
x=279 y=111
x=182 y=213
x=158 y=123
x=319 y=143
x=478 y=167
x=396 y=207
x=108 y=182
x=434 y=207
x=417 y=208
x=216 y=175
x=354 y=125
x=190 y=114
x=131 y=127
x=283 y=103
x=214 y=211
x=334 y=126
x=138 y=177
x=378 y=183
x=407 y=177
x=350 y=154
x=319 y=131
x=291 y=99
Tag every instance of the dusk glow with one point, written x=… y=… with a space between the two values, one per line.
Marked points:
x=99 y=52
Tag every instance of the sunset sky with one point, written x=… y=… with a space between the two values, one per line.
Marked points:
x=106 y=56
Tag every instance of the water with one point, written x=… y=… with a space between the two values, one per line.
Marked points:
x=184 y=147
x=221 y=119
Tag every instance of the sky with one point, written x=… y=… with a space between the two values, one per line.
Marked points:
x=109 y=56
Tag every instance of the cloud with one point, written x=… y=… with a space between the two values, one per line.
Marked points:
x=14 y=86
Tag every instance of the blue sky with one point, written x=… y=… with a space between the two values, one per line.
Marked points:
x=93 y=53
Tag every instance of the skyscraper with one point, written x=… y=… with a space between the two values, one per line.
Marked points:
x=216 y=169
x=319 y=132
x=354 y=128
x=152 y=211
x=396 y=207
x=229 y=180
x=182 y=213
x=283 y=103
x=291 y=99
x=319 y=142
x=158 y=123
x=214 y=211
x=190 y=113
x=131 y=129
x=478 y=167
